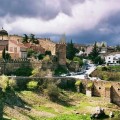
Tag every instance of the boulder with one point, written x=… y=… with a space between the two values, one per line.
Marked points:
x=99 y=114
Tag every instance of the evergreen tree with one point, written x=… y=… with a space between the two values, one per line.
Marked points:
x=7 y=56
x=118 y=48
x=25 y=39
x=33 y=39
x=83 y=50
x=71 y=51
x=94 y=55
x=3 y=54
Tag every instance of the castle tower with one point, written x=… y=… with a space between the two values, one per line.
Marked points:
x=61 y=51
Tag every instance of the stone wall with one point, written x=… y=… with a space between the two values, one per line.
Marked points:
x=107 y=89
x=110 y=91
x=12 y=65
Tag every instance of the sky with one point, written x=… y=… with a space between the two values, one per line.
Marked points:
x=83 y=21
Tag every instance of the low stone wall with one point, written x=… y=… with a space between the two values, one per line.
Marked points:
x=109 y=90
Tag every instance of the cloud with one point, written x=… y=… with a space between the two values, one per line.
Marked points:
x=44 y=9
x=84 y=18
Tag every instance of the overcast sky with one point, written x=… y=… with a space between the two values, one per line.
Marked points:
x=83 y=21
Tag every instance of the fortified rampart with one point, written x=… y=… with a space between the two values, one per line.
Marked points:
x=12 y=65
x=110 y=91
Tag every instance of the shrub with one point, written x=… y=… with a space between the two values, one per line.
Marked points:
x=12 y=83
x=32 y=85
x=90 y=85
x=60 y=70
x=78 y=82
x=104 y=68
x=23 y=71
x=40 y=56
x=77 y=59
x=53 y=91
x=46 y=58
x=35 y=72
x=4 y=82
x=47 y=52
x=30 y=52
x=105 y=77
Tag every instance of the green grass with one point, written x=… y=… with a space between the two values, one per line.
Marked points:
x=44 y=108
x=70 y=117
x=78 y=103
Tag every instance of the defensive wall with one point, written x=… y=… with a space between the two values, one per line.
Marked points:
x=109 y=90
x=12 y=65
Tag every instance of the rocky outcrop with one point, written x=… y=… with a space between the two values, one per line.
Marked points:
x=99 y=114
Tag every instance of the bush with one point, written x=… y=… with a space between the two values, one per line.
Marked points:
x=60 y=70
x=105 y=68
x=30 y=52
x=23 y=71
x=46 y=58
x=35 y=72
x=4 y=82
x=53 y=91
x=32 y=85
x=77 y=59
x=90 y=85
x=78 y=82
x=47 y=52
x=41 y=56
x=105 y=77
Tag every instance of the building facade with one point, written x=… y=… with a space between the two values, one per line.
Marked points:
x=113 y=58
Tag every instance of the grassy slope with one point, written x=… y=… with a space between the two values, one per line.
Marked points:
x=44 y=109
x=110 y=73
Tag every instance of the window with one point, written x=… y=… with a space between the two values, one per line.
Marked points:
x=11 y=49
x=15 y=49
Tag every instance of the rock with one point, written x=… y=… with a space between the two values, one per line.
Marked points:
x=27 y=108
x=77 y=112
x=99 y=114
x=111 y=115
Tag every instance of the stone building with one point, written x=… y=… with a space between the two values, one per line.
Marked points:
x=58 y=49
x=14 y=45
x=48 y=45
x=17 y=49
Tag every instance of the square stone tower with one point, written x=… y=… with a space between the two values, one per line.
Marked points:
x=61 y=53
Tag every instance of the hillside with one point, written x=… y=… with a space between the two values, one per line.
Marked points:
x=109 y=73
x=38 y=106
x=48 y=102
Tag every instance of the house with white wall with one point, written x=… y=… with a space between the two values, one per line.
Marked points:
x=113 y=58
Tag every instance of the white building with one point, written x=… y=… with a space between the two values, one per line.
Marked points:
x=113 y=58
